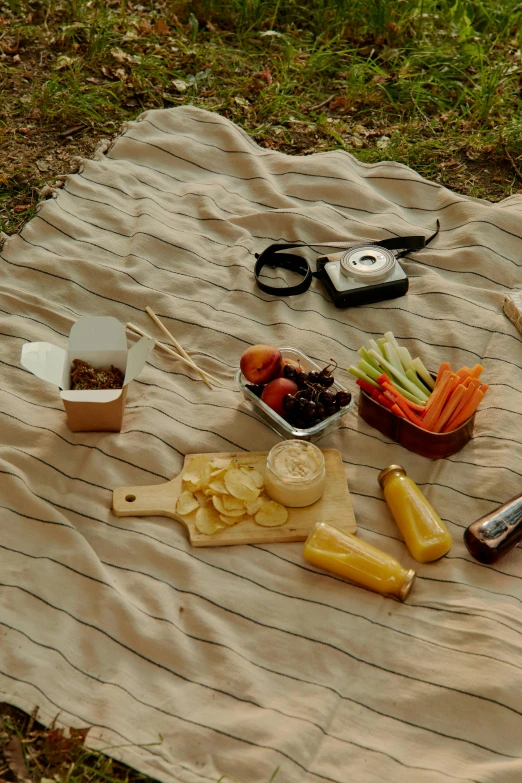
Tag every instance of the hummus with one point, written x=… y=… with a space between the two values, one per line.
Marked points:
x=295 y=474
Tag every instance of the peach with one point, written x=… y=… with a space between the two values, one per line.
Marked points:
x=260 y=363
x=274 y=392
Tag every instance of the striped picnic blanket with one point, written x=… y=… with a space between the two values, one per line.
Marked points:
x=241 y=663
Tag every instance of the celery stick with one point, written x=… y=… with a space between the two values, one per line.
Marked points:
x=391 y=339
x=424 y=374
x=414 y=378
x=405 y=357
x=363 y=352
x=408 y=395
x=375 y=347
x=369 y=369
x=403 y=379
x=360 y=374
x=380 y=343
x=392 y=356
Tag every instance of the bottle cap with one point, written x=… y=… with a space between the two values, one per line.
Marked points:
x=389 y=469
x=407 y=585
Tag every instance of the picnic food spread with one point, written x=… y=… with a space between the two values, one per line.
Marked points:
x=221 y=493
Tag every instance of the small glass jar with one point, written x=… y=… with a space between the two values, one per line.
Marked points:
x=295 y=473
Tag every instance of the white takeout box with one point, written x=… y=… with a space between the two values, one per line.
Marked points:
x=101 y=341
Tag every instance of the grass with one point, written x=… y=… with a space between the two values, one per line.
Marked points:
x=434 y=84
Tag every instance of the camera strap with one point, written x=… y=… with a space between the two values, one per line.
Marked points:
x=276 y=256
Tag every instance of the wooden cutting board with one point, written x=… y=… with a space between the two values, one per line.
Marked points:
x=335 y=506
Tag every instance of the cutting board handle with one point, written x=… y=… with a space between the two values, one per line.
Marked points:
x=152 y=500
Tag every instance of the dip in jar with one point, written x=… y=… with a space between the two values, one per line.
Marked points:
x=295 y=473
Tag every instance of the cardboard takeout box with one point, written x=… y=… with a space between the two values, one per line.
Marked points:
x=102 y=342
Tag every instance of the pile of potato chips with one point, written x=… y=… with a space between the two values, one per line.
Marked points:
x=221 y=493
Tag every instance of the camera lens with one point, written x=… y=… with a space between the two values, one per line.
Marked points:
x=367 y=264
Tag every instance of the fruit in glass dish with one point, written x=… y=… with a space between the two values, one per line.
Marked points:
x=274 y=393
x=260 y=363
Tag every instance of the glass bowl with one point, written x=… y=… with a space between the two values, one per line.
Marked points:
x=276 y=422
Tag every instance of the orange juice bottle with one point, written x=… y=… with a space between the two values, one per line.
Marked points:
x=424 y=533
x=342 y=553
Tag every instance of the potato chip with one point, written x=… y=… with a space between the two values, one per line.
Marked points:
x=218 y=504
x=271 y=514
x=231 y=503
x=220 y=463
x=186 y=504
x=240 y=485
x=208 y=521
x=254 y=506
x=230 y=521
x=200 y=497
x=217 y=488
x=255 y=475
x=191 y=481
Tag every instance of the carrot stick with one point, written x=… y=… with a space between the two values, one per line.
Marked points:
x=446 y=387
x=462 y=404
x=410 y=415
x=432 y=399
x=450 y=408
x=467 y=411
x=484 y=387
x=365 y=385
x=380 y=398
x=395 y=409
x=443 y=367
x=476 y=370
x=413 y=405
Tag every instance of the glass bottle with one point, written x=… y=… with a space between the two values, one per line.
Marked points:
x=494 y=534
x=424 y=533
x=346 y=555
x=295 y=473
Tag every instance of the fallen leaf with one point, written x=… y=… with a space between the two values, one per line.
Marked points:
x=42 y=165
x=119 y=55
x=241 y=101
x=179 y=85
x=161 y=27
x=17 y=58
x=270 y=33
x=21 y=208
x=383 y=142
x=14 y=754
x=267 y=76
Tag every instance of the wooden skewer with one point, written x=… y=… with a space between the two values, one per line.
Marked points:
x=180 y=358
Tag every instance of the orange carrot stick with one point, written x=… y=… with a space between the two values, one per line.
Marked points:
x=435 y=410
x=443 y=367
x=413 y=405
x=484 y=387
x=464 y=400
x=432 y=399
x=476 y=370
x=466 y=412
x=395 y=408
x=409 y=414
x=450 y=408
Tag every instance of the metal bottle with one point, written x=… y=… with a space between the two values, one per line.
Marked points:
x=494 y=534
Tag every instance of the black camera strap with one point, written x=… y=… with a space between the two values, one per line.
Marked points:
x=276 y=256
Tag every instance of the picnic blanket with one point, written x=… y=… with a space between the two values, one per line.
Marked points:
x=246 y=663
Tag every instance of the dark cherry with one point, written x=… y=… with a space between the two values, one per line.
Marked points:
x=311 y=409
x=255 y=389
x=289 y=402
x=314 y=377
x=343 y=398
x=327 y=380
x=290 y=372
x=327 y=397
x=320 y=411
